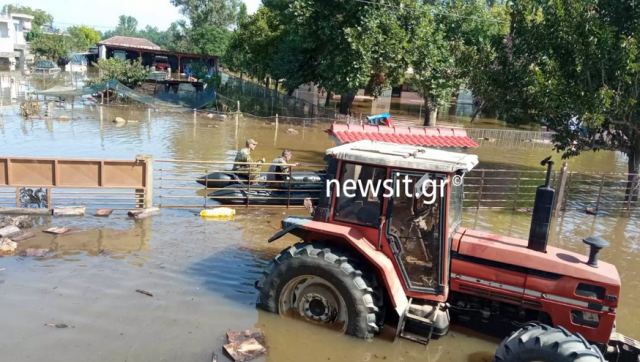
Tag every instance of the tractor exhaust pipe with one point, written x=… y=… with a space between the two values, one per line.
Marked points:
x=541 y=218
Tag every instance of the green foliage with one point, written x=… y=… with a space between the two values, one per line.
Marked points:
x=209 y=23
x=572 y=66
x=251 y=46
x=82 y=37
x=207 y=39
x=127 y=26
x=436 y=72
x=50 y=46
x=126 y=72
x=213 y=13
x=339 y=45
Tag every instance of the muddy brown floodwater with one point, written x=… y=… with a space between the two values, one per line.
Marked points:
x=201 y=273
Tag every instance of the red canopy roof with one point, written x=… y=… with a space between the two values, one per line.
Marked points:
x=417 y=136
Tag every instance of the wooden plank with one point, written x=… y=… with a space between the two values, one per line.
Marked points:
x=31 y=172
x=3 y=172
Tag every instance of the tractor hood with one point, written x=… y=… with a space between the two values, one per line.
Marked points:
x=507 y=251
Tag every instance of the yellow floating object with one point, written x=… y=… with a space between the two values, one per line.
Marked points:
x=221 y=213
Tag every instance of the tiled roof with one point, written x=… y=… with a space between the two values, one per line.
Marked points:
x=417 y=136
x=130 y=42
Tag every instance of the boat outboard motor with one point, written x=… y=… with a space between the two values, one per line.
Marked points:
x=541 y=219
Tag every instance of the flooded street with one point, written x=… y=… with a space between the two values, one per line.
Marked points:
x=201 y=273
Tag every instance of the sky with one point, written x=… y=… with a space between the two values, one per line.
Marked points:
x=103 y=15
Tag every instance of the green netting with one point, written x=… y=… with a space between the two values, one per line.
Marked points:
x=160 y=100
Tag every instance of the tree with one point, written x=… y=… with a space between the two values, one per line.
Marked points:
x=242 y=14
x=127 y=26
x=210 y=23
x=575 y=67
x=436 y=74
x=339 y=45
x=477 y=30
x=82 y=37
x=129 y=73
x=155 y=35
x=51 y=46
x=207 y=39
x=214 y=13
x=252 y=46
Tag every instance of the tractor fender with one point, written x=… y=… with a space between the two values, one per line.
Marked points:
x=303 y=227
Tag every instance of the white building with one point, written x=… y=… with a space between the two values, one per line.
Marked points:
x=13 y=43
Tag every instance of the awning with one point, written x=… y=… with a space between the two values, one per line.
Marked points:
x=417 y=136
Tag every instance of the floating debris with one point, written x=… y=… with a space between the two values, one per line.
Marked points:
x=143 y=213
x=119 y=120
x=245 y=351
x=7 y=246
x=69 y=211
x=142 y=291
x=219 y=213
x=103 y=212
x=56 y=230
x=245 y=345
x=30 y=108
x=35 y=253
x=22 y=221
x=9 y=231
x=57 y=325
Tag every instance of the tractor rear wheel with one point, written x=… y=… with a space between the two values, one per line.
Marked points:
x=540 y=342
x=321 y=286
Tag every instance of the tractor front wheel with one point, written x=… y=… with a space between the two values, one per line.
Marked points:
x=321 y=286
x=540 y=342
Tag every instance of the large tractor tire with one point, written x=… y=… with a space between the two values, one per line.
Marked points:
x=319 y=285
x=540 y=342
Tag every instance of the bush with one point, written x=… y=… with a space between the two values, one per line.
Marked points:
x=131 y=74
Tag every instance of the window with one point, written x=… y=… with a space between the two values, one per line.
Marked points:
x=4 y=30
x=415 y=230
x=357 y=206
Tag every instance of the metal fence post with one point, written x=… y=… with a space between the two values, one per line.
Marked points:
x=236 y=134
x=561 y=189
x=480 y=191
x=147 y=191
x=600 y=193
x=517 y=193
x=275 y=135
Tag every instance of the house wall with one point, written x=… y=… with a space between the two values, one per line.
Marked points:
x=6 y=36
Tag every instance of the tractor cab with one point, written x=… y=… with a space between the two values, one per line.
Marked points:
x=406 y=201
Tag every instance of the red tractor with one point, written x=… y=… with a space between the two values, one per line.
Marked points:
x=399 y=255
